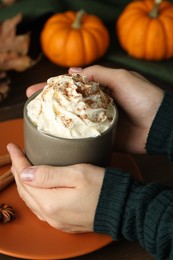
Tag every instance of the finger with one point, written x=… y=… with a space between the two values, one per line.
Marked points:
x=39 y=176
x=97 y=73
x=19 y=162
x=45 y=176
x=75 y=70
x=34 y=88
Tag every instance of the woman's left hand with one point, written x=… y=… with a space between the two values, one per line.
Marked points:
x=65 y=197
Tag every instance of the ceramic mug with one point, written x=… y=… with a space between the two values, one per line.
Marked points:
x=45 y=149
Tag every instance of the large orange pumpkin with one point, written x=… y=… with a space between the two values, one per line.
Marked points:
x=145 y=29
x=74 y=38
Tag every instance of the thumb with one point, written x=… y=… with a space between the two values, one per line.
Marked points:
x=105 y=76
x=32 y=89
x=45 y=176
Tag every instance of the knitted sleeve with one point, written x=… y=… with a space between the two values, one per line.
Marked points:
x=130 y=209
x=160 y=138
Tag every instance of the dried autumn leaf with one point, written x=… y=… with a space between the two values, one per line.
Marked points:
x=6 y=56
x=13 y=47
x=4 y=85
x=13 y=51
x=9 y=41
x=18 y=63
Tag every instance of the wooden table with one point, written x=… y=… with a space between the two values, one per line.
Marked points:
x=150 y=167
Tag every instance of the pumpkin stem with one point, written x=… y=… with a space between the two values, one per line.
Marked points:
x=154 y=12
x=77 y=22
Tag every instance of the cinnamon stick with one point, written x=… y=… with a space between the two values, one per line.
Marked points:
x=6 y=179
x=5 y=160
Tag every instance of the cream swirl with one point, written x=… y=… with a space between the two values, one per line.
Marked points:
x=70 y=106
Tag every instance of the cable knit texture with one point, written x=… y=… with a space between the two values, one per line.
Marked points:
x=128 y=208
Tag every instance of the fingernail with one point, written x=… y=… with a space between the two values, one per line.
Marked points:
x=76 y=69
x=9 y=147
x=27 y=174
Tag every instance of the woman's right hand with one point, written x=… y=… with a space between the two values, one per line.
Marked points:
x=138 y=101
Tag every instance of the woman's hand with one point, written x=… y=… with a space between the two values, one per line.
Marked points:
x=137 y=99
x=65 y=197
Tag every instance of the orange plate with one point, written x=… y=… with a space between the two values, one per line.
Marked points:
x=29 y=238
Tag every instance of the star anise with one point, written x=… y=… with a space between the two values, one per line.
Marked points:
x=7 y=213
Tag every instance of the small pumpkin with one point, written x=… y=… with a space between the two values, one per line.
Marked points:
x=74 y=38
x=145 y=29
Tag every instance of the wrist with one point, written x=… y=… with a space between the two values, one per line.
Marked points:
x=159 y=140
x=112 y=200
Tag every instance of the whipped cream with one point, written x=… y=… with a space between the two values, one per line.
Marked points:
x=70 y=106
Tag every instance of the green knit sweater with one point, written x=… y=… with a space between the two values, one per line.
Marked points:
x=130 y=209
